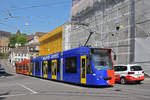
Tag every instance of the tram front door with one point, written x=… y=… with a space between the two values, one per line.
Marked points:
x=83 y=69
x=54 y=69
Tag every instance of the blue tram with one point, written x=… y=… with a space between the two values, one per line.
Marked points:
x=83 y=65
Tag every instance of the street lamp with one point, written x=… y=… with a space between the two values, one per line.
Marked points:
x=17 y=45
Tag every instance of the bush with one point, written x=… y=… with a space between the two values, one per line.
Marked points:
x=4 y=55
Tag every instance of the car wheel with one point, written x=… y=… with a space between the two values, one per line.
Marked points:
x=123 y=81
x=138 y=82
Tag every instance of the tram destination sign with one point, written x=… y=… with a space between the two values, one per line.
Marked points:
x=101 y=51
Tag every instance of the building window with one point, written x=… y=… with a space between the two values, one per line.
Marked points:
x=71 y=65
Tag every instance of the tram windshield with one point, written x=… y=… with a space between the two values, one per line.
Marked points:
x=102 y=61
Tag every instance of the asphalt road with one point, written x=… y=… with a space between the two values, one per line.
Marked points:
x=20 y=87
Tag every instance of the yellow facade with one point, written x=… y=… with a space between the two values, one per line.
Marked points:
x=51 y=42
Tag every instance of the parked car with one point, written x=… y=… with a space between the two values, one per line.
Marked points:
x=129 y=73
x=2 y=70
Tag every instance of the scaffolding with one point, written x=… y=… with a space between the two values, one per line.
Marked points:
x=116 y=23
x=103 y=17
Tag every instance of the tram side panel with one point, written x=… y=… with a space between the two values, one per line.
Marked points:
x=32 y=68
x=37 y=69
x=71 y=68
x=71 y=64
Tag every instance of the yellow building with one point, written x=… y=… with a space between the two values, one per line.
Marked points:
x=51 y=42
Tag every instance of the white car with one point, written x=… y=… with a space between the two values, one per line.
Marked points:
x=129 y=73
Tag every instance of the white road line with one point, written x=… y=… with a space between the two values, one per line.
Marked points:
x=3 y=96
x=34 y=92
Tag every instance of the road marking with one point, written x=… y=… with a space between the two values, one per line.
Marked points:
x=34 y=92
x=4 y=96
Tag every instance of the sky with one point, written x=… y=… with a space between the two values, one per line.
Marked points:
x=30 y=16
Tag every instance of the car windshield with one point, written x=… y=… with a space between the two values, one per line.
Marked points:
x=136 y=68
x=120 y=68
x=102 y=62
x=1 y=68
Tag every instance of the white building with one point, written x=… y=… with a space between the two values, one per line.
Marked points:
x=19 y=54
x=66 y=36
x=33 y=44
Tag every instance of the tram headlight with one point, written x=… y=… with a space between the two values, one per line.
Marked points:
x=100 y=76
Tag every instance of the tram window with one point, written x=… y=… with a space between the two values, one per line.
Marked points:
x=45 y=67
x=28 y=66
x=49 y=66
x=88 y=68
x=71 y=65
x=54 y=65
x=24 y=67
x=31 y=67
x=58 y=66
x=37 y=67
x=83 y=68
x=16 y=65
x=19 y=67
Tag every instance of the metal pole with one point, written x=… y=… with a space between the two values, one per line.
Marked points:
x=132 y=31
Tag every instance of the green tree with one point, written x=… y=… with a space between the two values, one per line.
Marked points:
x=4 y=55
x=1 y=54
x=13 y=40
x=22 y=39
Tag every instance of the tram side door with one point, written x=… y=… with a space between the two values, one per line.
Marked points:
x=45 y=68
x=31 y=68
x=54 y=69
x=27 y=66
x=83 y=69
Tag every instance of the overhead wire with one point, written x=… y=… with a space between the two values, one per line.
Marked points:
x=10 y=15
x=38 y=6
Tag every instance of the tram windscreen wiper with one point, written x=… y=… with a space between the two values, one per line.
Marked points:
x=103 y=68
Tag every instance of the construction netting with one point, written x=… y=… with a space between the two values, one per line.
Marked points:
x=81 y=6
x=142 y=53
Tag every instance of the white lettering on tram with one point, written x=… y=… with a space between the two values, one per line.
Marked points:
x=46 y=57
x=54 y=56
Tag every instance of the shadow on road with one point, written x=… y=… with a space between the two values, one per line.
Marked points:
x=6 y=74
x=84 y=86
x=131 y=83
x=2 y=96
